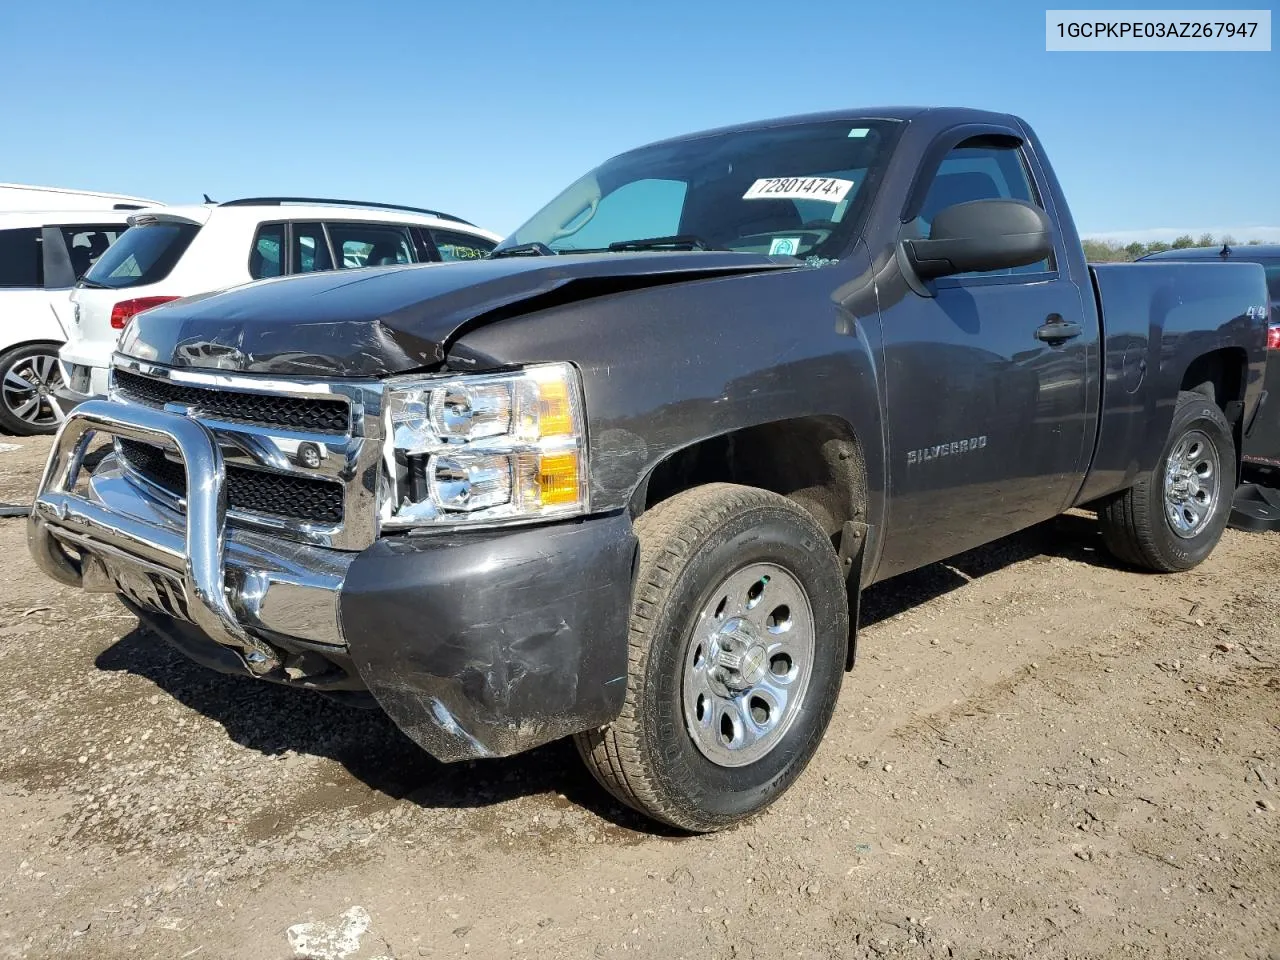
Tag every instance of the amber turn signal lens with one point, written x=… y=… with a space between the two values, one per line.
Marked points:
x=558 y=478
x=555 y=416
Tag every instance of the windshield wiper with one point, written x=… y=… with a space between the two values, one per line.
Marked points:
x=533 y=249
x=676 y=241
x=91 y=284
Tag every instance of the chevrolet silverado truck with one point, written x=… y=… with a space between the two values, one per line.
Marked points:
x=625 y=479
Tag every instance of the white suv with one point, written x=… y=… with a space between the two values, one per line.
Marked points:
x=175 y=252
x=42 y=255
x=15 y=197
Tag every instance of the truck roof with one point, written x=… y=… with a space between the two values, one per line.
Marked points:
x=944 y=115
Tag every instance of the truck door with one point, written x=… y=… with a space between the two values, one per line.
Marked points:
x=985 y=380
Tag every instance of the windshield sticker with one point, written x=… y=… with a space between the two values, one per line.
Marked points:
x=829 y=189
x=859 y=131
x=784 y=246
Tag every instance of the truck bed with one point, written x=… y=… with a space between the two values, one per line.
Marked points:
x=1153 y=324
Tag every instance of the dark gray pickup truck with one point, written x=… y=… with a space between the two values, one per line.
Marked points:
x=625 y=479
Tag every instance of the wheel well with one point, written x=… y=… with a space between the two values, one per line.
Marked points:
x=815 y=461
x=39 y=341
x=1219 y=375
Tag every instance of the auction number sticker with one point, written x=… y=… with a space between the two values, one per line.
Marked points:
x=830 y=189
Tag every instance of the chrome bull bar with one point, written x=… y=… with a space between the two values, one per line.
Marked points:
x=198 y=558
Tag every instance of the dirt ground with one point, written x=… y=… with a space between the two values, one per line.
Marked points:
x=1038 y=755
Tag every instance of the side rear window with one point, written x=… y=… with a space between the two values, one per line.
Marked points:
x=21 y=263
x=310 y=249
x=461 y=246
x=304 y=243
x=87 y=243
x=981 y=172
x=266 y=259
x=370 y=244
x=144 y=255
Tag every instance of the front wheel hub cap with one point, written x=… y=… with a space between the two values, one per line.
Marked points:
x=739 y=660
x=747 y=662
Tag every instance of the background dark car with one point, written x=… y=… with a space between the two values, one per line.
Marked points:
x=1262 y=448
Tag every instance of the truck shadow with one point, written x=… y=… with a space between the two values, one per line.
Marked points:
x=272 y=720
x=1072 y=536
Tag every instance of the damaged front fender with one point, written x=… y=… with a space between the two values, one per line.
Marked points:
x=488 y=644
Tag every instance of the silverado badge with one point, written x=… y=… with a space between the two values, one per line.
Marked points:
x=946 y=449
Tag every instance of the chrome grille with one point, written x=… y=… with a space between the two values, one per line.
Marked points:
x=292 y=413
x=263 y=425
x=248 y=488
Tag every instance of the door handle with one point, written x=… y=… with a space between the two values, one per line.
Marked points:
x=1056 y=330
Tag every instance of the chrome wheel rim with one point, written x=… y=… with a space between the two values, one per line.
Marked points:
x=747 y=664
x=27 y=390
x=1191 y=484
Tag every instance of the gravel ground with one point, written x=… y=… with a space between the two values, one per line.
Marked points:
x=1038 y=755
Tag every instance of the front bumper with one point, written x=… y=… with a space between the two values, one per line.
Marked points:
x=489 y=644
x=477 y=644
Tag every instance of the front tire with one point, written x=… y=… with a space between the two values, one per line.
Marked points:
x=1172 y=518
x=737 y=641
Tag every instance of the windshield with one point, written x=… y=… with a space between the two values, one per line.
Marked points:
x=144 y=254
x=798 y=190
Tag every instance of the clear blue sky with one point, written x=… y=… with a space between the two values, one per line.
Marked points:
x=488 y=108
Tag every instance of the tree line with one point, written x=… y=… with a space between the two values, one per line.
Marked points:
x=1110 y=251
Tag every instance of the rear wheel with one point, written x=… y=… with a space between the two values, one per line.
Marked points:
x=738 y=635
x=28 y=376
x=1172 y=519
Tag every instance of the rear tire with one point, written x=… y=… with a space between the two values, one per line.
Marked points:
x=737 y=644
x=28 y=376
x=1173 y=517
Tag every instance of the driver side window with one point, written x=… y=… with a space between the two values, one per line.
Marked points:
x=981 y=173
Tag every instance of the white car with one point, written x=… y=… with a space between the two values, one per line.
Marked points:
x=42 y=255
x=182 y=251
x=16 y=197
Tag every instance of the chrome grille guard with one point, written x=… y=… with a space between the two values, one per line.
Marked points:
x=198 y=558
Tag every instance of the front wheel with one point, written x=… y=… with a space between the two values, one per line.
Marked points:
x=738 y=635
x=1172 y=518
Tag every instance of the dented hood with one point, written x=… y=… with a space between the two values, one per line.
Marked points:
x=385 y=320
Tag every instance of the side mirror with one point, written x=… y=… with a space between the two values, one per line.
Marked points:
x=981 y=235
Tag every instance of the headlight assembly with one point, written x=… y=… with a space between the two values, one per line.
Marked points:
x=485 y=448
